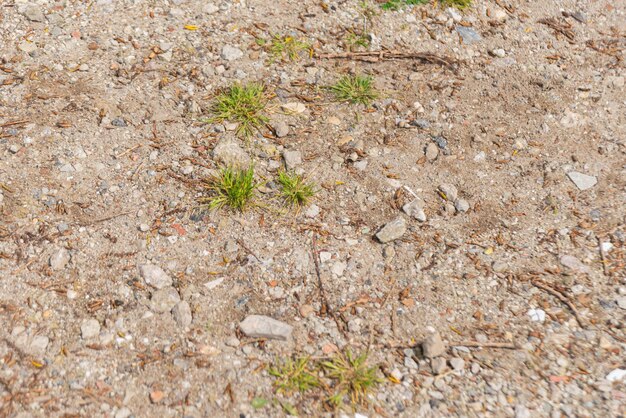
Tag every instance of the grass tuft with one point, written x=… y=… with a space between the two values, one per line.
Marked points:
x=287 y=48
x=296 y=191
x=231 y=187
x=399 y=4
x=243 y=104
x=354 y=379
x=355 y=89
x=459 y=4
x=294 y=376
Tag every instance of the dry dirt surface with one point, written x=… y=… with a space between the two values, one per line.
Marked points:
x=467 y=235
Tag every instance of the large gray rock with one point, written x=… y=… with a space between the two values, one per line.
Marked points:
x=392 y=231
x=582 y=181
x=89 y=328
x=415 y=209
x=231 y=53
x=59 y=259
x=260 y=326
x=164 y=300
x=155 y=276
x=182 y=314
x=227 y=152
x=292 y=159
x=433 y=346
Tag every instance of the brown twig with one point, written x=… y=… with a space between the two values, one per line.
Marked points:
x=106 y=218
x=562 y=28
x=560 y=296
x=605 y=263
x=325 y=305
x=376 y=56
x=507 y=346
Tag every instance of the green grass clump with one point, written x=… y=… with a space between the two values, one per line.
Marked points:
x=355 y=40
x=459 y=4
x=355 y=89
x=294 y=376
x=243 y=104
x=398 y=4
x=296 y=190
x=353 y=378
x=286 y=48
x=231 y=187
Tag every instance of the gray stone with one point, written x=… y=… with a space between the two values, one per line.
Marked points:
x=582 y=181
x=457 y=363
x=38 y=344
x=89 y=328
x=228 y=153
x=27 y=47
x=260 y=326
x=468 y=35
x=415 y=209
x=521 y=411
x=574 y=264
x=432 y=151
x=182 y=314
x=292 y=159
x=621 y=302
x=155 y=276
x=450 y=192
x=231 y=53
x=433 y=346
x=461 y=205
x=59 y=259
x=119 y=122
x=281 y=129
x=499 y=52
x=392 y=230
x=438 y=365
x=14 y=148
x=164 y=300
x=34 y=13
x=312 y=211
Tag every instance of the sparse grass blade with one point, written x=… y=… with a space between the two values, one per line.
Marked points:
x=244 y=105
x=398 y=4
x=355 y=89
x=296 y=191
x=352 y=376
x=294 y=375
x=459 y=4
x=231 y=187
x=286 y=48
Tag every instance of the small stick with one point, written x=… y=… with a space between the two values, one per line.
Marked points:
x=508 y=346
x=127 y=151
x=106 y=218
x=375 y=56
x=320 y=283
x=560 y=296
x=605 y=264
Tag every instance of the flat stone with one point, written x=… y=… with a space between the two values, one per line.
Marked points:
x=27 y=47
x=392 y=230
x=59 y=259
x=260 y=326
x=281 y=129
x=621 y=302
x=292 y=159
x=433 y=346
x=461 y=205
x=231 y=53
x=294 y=107
x=438 y=365
x=582 y=181
x=34 y=13
x=450 y=192
x=164 y=300
x=457 y=363
x=415 y=209
x=468 y=35
x=227 y=152
x=312 y=211
x=537 y=315
x=155 y=276
x=432 y=151
x=182 y=314
x=574 y=264
x=89 y=328
x=616 y=375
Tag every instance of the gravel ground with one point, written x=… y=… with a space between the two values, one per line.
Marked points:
x=468 y=232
